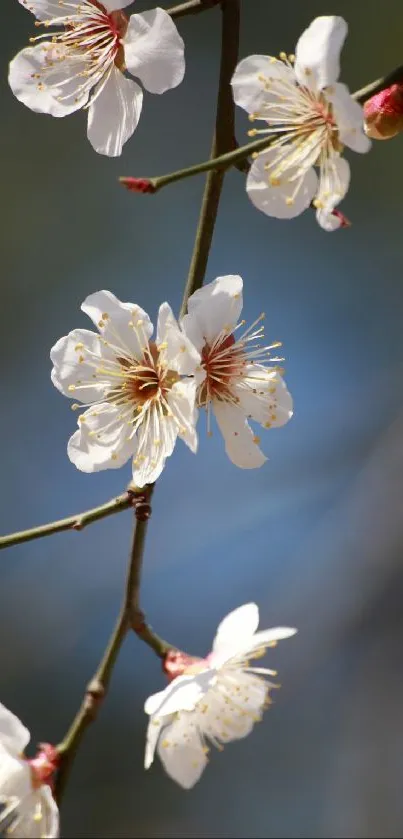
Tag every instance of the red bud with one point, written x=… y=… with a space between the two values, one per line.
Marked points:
x=384 y=113
x=138 y=184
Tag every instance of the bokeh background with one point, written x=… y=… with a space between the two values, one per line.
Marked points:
x=315 y=536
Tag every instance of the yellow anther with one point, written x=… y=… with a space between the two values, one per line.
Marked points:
x=81 y=359
x=274 y=181
x=105 y=316
x=283 y=56
x=79 y=347
x=71 y=388
x=289 y=201
x=101 y=324
x=291 y=58
x=252 y=132
x=256 y=439
x=318 y=203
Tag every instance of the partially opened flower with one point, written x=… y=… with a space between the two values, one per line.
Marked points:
x=27 y=806
x=214 y=700
x=81 y=64
x=308 y=117
x=241 y=380
x=138 y=392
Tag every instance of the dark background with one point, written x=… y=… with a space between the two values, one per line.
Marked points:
x=315 y=536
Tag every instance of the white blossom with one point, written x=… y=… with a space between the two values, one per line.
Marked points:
x=215 y=700
x=27 y=806
x=139 y=393
x=309 y=117
x=240 y=378
x=81 y=64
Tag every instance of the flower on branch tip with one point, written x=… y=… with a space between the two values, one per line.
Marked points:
x=27 y=806
x=138 y=184
x=82 y=63
x=308 y=117
x=213 y=700
x=384 y=113
x=139 y=394
x=240 y=379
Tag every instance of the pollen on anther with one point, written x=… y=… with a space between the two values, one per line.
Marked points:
x=256 y=439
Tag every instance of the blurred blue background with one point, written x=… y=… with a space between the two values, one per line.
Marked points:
x=315 y=536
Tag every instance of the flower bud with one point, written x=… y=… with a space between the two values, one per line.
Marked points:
x=383 y=113
x=138 y=184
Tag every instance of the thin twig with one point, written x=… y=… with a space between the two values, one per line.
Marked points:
x=99 y=684
x=76 y=522
x=192 y=7
x=380 y=84
x=222 y=142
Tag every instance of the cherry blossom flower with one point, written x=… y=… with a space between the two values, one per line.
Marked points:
x=139 y=393
x=81 y=64
x=214 y=700
x=27 y=806
x=309 y=117
x=237 y=383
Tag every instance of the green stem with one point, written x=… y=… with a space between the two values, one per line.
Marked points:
x=380 y=84
x=192 y=7
x=239 y=156
x=223 y=141
x=76 y=522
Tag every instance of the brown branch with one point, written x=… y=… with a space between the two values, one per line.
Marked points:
x=76 y=522
x=223 y=141
x=99 y=684
x=192 y=7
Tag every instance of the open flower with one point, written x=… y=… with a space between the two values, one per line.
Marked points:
x=138 y=396
x=81 y=64
x=27 y=806
x=237 y=382
x=214 y=700
x=309 y=117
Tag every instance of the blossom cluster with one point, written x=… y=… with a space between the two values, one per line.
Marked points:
x=208 y=701
x=81 y=58
x=138 y=395
x=137 y=391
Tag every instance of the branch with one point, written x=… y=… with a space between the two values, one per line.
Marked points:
x=223 y=140
x=238 y=157
x=76 y=522
x=99 y=684
x=380 y=84
x=192 y=7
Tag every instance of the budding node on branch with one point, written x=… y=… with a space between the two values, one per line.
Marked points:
x=142 y=185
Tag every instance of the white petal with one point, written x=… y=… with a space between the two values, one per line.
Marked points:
x=74 y=357
x=114 y=113
x=349 y=117
x=268 y=636
x=102 y=440
x=153 y=732
x=124 y=325
x=179 y=353
x=38 y=802
x=13 y=734
x=237 y=627
x=154 y=51
x=317 y=55
x=240 y=442
x=214 y=307
x=329 y=221
x=264 y=397
x=182 y=402
x=182 y=694
x=334 y=181
x=156 y=438
x=43 y=9
x=253 y=88
x=116 y=5
x=15 y=776
x=51 y=93
x=281 y=201
x=181 y=751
